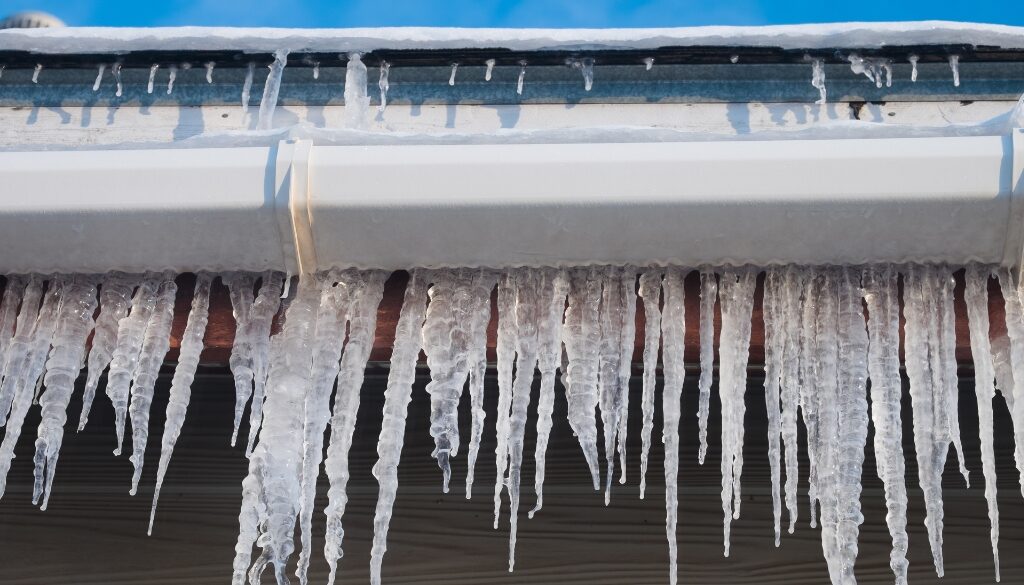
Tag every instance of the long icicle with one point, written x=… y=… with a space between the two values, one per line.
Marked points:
x=810 y=284
x=554 y=288
x=881 y=296
x=13 y=291
x=976 y=299
x=650 y=292
x=264 y=308
x=115 y=301
x=774 y=348
x=612 y=318
x=74 y=323
x=479 y=316
x=271 y=490
x=240 y=291
x=1014 y=395
x=190 y=349
x=17 y=293
x=154 y=348
x=627 y=345
x=673 y=333
x=367 y=291
x=408 y=340
x=789 y=393
x=506 y=353
x=581 y=335
x=708 y=295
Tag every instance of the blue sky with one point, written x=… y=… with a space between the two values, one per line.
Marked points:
x=508 y=13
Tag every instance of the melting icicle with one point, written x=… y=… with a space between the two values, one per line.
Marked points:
x=880 y=293
x=734 y=59
x=172 y=75
x=954 y=66
x=774 y=349
x=152 y=77
x=451 y=78
x=99 y=77
x=209 y=71
x=35 y=72
x=650 y=292
x=115 y=300
x=368 y=289
x=250 y=72
x=356 y=101
x=383 y=85
x=554 y=288
x=528 y=312
x=13 y=292
x=271 y=490
x=1013 y=389
x=154 y=347
x=708 y=295
x=976 y=298
x=612 y=317
x=478 y=315
x=181 y=384
x=586 y=68
x=581 y=335
x=18 y=351
x=130 y=333
x=271 y=90
x=522 y=76
x=648 y=63
x=673 y=332
x=115 y=70
x=627 y=343
x=490 y=69
x=506 y=353
x=818 y=78
x=240 y=290
x=737 y=297
x=404 y=356
x=73 y=325
x=913 y=67
x=789 y=392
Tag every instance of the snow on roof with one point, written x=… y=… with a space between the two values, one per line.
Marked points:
x=859 y=35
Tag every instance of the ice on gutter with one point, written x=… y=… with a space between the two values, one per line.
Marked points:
x=858 y=35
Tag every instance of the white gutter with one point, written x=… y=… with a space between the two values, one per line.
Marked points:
x=300 y=207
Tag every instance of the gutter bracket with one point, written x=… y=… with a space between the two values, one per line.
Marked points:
x=291 y=201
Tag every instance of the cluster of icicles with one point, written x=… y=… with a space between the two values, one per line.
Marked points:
x=827 y=332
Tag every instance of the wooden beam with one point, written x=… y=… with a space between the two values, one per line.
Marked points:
x=221 y=329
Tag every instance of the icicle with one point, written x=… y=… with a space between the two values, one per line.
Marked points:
x=2 y=67
x=115 y=70
x=506 y=353
x=271 y=490
x=927 y=392
x=581 y=335
x=708 y=295
x=271 y=90
x=648 y=63
x=881 y=295
x=35 y=72
x=451 y=79
x=737 y=298
x=818 y=78
x=650 y=292
x=261 y=320
x=240 y=290
x=404 y=356
x=26 y=362
x=734 y=59
x=789 y=391
x=73 y=325
x=250 y=71
x=627 y=344
x=522 y=76
x=947 y=361
x=99 y=77
x=490 y=69
x=13 y=292
x=612 y=318
x=152 y=77
x=368 y=289
x=172 y=75
x=913 y=67
x=209 y=71
x=130 y=333
x=316 y=70
x=554 y=288
x=529 y=311
x=1014 y=395
x=810 y=282
x=356 y=101
x=478 y=315
x=115 y=300
x=383 y=84
x=976 y=298
x=774 y=348
x=190 y=349
x=954 y=66
x=328 y=340
x=20 y=347
x=154 y=349
x=586 y=68
x=673 y=333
